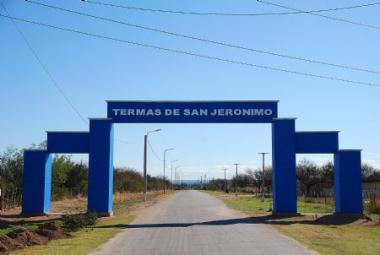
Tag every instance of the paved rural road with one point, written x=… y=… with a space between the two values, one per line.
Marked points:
x=193 y=222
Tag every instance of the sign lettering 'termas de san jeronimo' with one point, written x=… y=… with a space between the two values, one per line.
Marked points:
x=192 y=111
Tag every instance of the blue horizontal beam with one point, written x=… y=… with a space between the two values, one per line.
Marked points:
x=68 y=142
x=317 y=142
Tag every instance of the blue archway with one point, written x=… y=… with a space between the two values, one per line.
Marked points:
x=98 y=143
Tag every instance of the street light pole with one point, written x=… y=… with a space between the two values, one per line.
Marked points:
x=171 y=172
x=175 y=173
x=170 y=149
x=236 y=176
x=145 y=161
x=263 y=181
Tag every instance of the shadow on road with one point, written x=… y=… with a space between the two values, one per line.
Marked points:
x=333 y=219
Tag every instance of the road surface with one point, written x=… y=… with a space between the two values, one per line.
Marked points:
x=193 y=222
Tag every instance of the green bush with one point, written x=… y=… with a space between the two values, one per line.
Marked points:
x=77 y=221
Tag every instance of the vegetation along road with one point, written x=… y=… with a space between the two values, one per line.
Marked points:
x=193 y=222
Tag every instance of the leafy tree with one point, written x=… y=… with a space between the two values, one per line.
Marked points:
x=77 y=179
x=11 y=168
x=61 y=167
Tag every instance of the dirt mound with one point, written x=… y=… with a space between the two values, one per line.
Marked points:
x=23 y=237
x=8 y=244
x=51 y=231
x=27 y=237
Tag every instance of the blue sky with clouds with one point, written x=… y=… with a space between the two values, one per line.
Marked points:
x=91 y=71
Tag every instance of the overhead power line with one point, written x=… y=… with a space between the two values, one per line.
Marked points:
x=44 y=68
x=49 y=75
x=154 y=152
x=322 y=15
x=194 y=54
x=219 y=43
x=196 y=13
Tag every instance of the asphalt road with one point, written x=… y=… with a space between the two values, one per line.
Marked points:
x=193 y=222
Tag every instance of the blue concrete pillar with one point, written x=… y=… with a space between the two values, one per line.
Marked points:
x=284 y=180
x=100 y=176
x=36 y=191
x=348 y=182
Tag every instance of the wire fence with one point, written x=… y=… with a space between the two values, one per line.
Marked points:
x=11 y=198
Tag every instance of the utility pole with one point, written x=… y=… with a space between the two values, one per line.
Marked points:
x=145 y=161
x=170 y=149
x=176 y=174
x=236 y=176
x=225 y=179
x=263 y=181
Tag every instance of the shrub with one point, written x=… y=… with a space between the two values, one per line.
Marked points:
x=77 y=221
x=309 y=200
x=374 y=206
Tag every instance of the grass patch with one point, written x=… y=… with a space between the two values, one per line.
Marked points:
x=84 y=240
x=253 y=205
x=6 y=227
x=336 y=239
x=329 y=238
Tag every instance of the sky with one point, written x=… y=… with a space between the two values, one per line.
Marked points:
x=91 y=70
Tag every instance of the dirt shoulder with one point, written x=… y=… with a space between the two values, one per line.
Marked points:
x=126 y=207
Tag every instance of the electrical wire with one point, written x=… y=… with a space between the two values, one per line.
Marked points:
x=322 y=16
x=49 y=75
x=219 y=43
x=154 y=152
x=181 y=12
x=45 y=69
x=194 y=54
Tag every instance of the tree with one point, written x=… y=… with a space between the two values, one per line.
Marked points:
x=308 y=175
x=257 y=177
x=77 y=179
x=243 y=180
x=370 y=173
x=61 y=167
x=327 y=174
x=217 y=184
x=11 y=168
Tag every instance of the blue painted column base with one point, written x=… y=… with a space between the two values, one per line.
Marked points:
x=284 y=167
x=36 y=182
x=100 y=176
x=348 y=182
